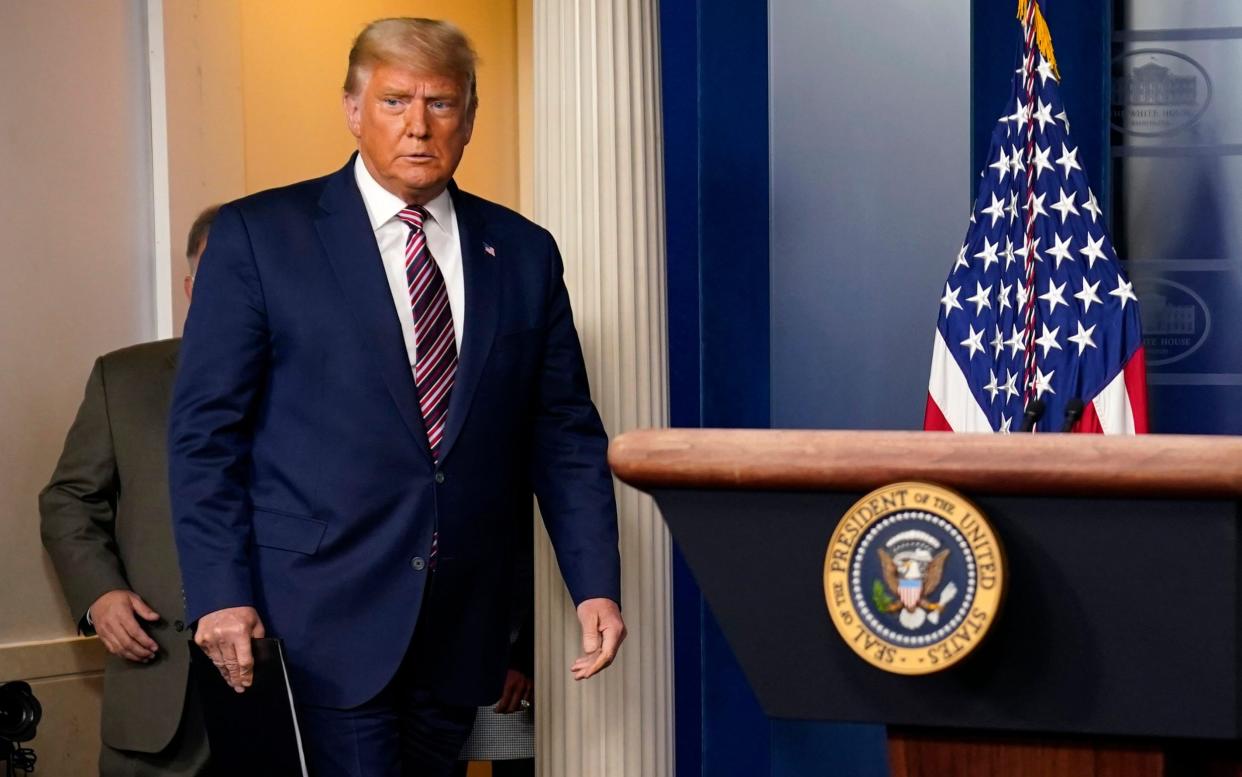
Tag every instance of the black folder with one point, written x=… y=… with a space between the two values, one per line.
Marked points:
x=255 y=732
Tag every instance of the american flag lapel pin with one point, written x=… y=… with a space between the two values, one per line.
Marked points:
x=488 y=249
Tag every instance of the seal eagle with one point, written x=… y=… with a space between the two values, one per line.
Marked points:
x=911 y=579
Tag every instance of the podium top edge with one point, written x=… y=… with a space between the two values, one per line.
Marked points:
x=1023 y=464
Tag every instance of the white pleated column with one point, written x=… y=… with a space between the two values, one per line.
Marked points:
x=598 y=187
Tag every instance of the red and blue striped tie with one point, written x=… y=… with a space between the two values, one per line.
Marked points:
x=435 y=359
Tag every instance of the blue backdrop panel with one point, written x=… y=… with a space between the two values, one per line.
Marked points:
x=715 y=167
x=1177 y=161
x=871 y=194
x=679 y=61
x=871 y=188
x=715 y=81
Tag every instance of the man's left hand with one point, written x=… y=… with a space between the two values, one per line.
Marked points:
x=603 y=630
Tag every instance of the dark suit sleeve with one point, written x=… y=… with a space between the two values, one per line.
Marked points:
x=223 y=361
x=522 y=625
x=522 y=653
x=569 y=467
x=78 y=506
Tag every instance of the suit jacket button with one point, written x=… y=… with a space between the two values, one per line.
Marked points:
x=439 y=477
x=179 y=625
x=418 y=563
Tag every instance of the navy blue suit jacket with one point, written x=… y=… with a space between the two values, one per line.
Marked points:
x=301 y=479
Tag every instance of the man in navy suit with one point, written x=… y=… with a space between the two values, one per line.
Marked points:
x=378 y=372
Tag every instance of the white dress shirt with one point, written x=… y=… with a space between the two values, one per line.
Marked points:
x=443 y=240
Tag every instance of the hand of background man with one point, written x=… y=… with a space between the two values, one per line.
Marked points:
x=224 y=635
x=112 y=617
x=602 y=633
x=517 y=687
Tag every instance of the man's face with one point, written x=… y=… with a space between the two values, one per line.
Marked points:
x=412 y=128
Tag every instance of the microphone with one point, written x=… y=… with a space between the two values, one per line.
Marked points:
x=1034 y=412
x=1073 y=411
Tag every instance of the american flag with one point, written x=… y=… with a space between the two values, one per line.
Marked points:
x=1037 y=306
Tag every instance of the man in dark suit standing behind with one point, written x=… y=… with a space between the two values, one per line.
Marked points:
x=378 y=372
x=107 y=527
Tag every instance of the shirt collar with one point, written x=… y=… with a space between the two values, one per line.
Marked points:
x=383 y=206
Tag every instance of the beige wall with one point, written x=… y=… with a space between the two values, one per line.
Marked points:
x=206 y=128
x=75 y=256
x=76 y=260
x=526 y=106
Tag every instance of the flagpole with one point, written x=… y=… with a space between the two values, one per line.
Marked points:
x=1028 y=79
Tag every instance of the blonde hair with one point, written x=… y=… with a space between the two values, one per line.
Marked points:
x=429 y=45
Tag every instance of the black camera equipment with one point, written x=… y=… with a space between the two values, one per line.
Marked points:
x=20 y=712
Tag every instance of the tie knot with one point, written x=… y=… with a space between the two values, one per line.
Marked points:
x=413 y=215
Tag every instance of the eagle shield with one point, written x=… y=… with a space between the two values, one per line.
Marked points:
x=912 y=564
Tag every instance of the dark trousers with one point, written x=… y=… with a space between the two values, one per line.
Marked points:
x=403 y=732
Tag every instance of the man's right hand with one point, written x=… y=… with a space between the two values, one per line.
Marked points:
x=224 y=635
x=112 y=617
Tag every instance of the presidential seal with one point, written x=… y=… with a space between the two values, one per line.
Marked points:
x=913 y=577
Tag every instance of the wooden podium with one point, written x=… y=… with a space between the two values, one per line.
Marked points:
x=1118 y=650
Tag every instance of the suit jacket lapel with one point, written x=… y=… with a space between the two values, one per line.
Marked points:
x=481 y=272
x=349 y=242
